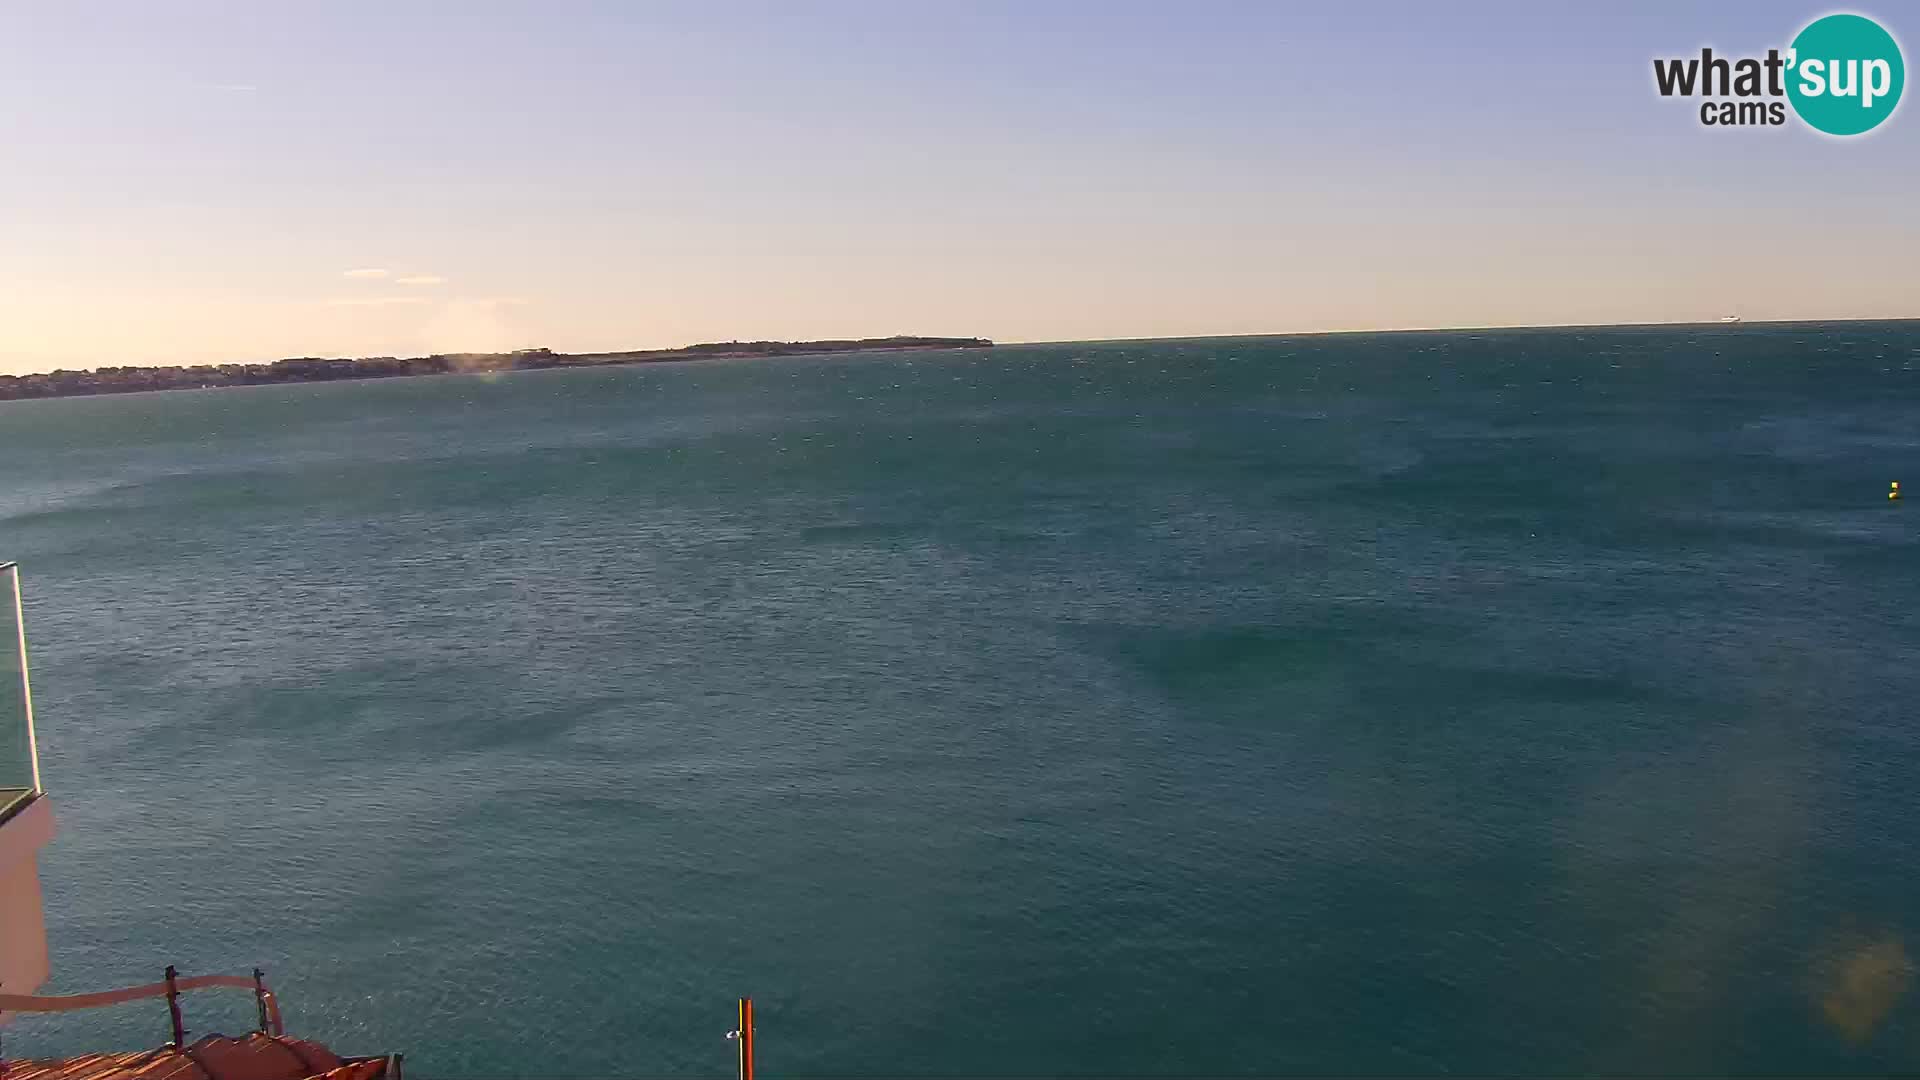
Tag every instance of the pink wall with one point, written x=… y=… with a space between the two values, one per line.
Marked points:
x=23 y=926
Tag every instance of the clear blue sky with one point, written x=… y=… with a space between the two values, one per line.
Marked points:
x=195 y=182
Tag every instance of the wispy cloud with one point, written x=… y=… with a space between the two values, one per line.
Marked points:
x=420 y=279
x=376 y=301
x=369 y=272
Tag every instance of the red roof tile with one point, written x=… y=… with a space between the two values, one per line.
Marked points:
x=250 y=1057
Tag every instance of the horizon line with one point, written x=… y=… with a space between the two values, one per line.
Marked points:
x=1465 y=329
x=1459 y=329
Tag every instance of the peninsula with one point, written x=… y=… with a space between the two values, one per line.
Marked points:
x=125 y=380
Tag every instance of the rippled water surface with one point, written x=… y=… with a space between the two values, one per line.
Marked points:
x=1510 y=701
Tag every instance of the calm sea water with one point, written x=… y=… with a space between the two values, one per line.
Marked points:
x=1505 y=701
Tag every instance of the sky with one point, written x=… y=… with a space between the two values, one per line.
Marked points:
x=186 y=182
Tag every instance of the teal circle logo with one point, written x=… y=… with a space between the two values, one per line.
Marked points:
x=1845 y=74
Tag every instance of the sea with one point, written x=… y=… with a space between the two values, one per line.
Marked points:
x=1535 y=702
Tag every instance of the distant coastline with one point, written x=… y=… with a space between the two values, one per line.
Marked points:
x=128 y=380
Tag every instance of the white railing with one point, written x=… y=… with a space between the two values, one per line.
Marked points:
x=22 y=700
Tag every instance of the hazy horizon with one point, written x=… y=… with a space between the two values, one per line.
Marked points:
x=214 y=183
x=1253 y=336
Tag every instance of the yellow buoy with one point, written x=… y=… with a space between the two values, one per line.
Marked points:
x=1895 y=493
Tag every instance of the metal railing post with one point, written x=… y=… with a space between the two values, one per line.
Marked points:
x=746 y=1039
x=173 y=1007
x=260 y=998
